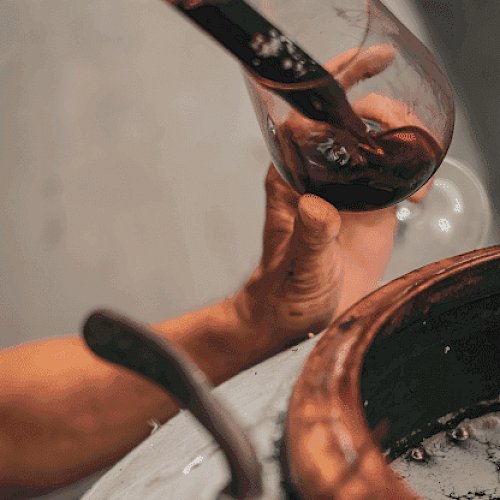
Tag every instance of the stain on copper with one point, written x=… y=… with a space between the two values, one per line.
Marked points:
x=346 y=325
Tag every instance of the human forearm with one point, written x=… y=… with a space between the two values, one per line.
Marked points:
x=221 y=339
x=65 y=414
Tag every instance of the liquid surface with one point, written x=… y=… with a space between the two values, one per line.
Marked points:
x=350 y=166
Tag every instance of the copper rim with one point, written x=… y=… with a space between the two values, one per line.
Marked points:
x=330 y=451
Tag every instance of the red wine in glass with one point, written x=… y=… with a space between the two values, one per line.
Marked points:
x=353 y=168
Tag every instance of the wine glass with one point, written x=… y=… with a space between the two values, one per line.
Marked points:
x=392 y=83
x=455 y=217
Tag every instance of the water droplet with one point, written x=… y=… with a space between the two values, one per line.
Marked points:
x=444 y=225
x=197 y=461
x=270 y=125
x=372 y=126
x=343 y=156
x=403 y=213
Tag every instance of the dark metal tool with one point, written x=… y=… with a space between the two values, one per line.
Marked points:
x=128 y=343
x=277 y=62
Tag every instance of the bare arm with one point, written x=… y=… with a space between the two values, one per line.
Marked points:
x=65 y=414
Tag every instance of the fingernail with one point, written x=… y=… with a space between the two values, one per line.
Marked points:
x=319 y=215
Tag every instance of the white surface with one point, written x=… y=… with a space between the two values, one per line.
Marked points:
x=464 y=470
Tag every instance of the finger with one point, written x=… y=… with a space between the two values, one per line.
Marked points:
x=281 y=210
x=318 y=221
x=312 y=247
x=367 y=239
x=280 y=195
x=348 y=69
x=390 y=114
x=337 y=64
x=356 y=65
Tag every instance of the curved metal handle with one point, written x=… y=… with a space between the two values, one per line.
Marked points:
x=123 y=341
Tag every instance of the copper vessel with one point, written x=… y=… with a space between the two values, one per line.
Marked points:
x=414 y=358
x=424 y=346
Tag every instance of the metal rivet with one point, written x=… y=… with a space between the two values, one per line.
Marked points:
x=459 y=434
x=419 y=454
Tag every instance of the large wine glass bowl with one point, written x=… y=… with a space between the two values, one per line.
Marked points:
x=394 y=88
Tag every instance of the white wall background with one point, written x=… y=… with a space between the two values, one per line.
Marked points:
x=131 y=165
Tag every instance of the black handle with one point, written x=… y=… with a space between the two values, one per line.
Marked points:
x=123 y=341
x=277 y=62
x=257 y=43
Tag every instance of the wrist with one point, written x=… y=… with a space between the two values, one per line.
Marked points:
x=244 y=332
x=219 y=339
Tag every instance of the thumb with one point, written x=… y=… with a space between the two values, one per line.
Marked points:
x=311 y=251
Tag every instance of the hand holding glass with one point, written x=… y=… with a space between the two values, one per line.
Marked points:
x=392 y=84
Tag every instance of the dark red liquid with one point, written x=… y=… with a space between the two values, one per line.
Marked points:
x=380 y=181
x=361 y=171
x=351 y=169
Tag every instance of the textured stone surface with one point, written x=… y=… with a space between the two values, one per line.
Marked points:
x=181 y=459
x=468 y=469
